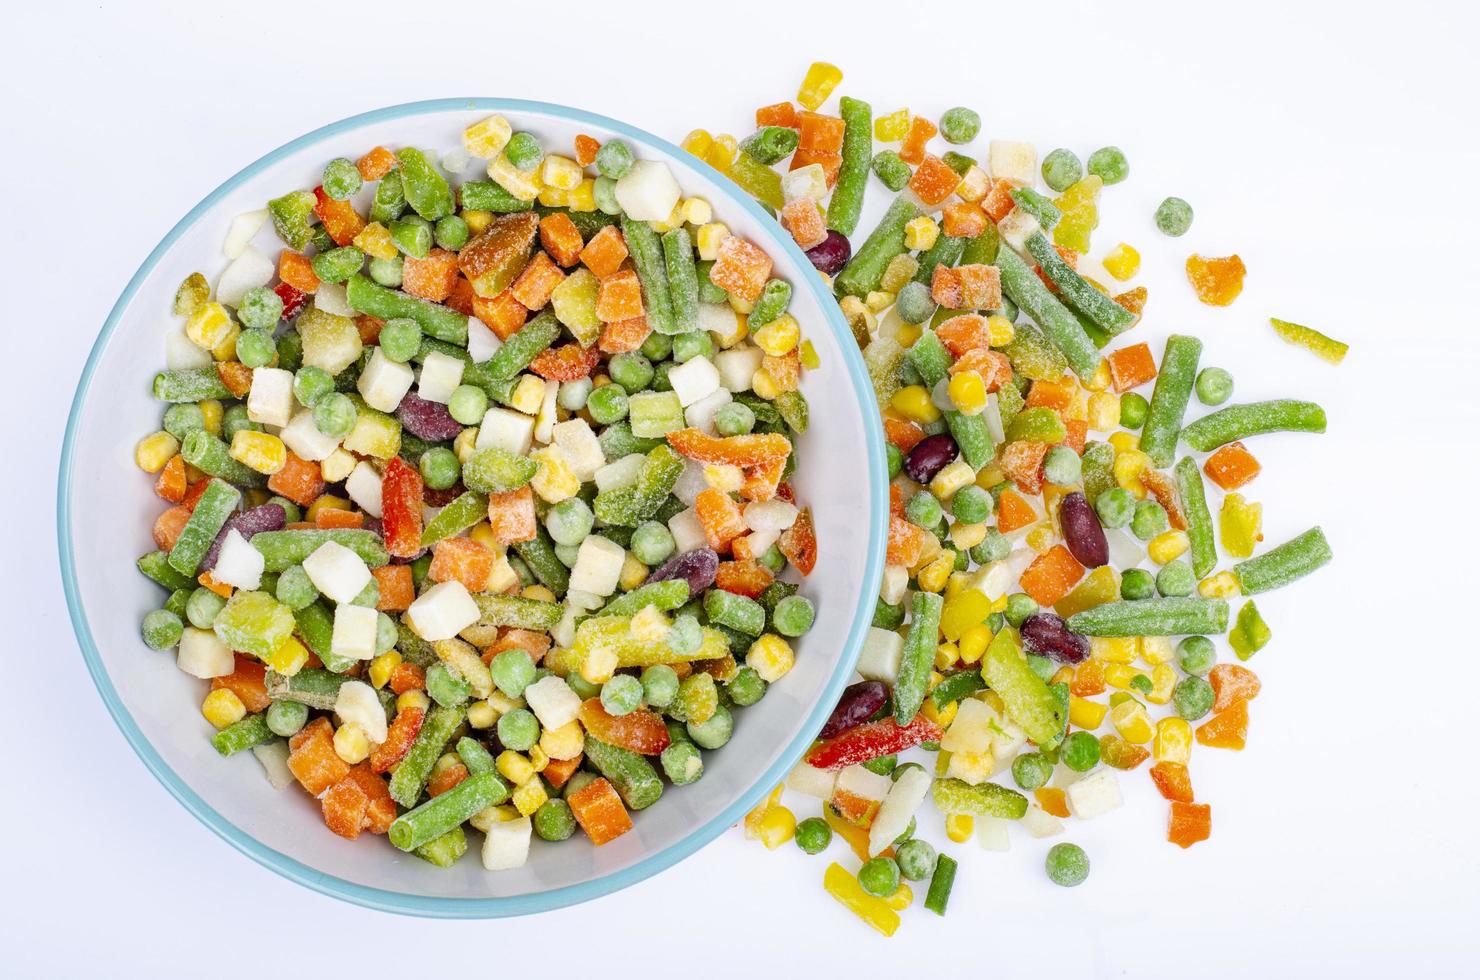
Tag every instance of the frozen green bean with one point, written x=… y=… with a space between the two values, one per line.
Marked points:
x=447 y=810
x=846 y=204
x=683 y=278
x=1280 y=566
x=1103 y=311
x=516 y=611
x=213 y=457
x=1253 y=419
x=366 y=296
x=865 y=269
x=918 y=656
x=1022 y=285
x=410 y=775
x=647 y=258
x=426 y=190
x=240 y=735
x=632 y=775
x=1174 y=381
x=285 y=548
x=219 y=501
x=189 y=385
x=1199 y=519
x=1152 y=617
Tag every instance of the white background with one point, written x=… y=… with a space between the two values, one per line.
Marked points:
x=1333 y=147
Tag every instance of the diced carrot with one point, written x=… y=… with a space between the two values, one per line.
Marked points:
x=312 y=758
x=624 y=335
x=1051 y=575
x=1077 y=431
x=380 y=811
x=964 y=219
x=432 y=277
x=720 y=518
x=369 y=328
x=1172 y=781
x=1053 y=800
x=803 y=219
x=299 y=480
x=247 y=682
x=407 y=677
x=397 y=590
x=777 y=114
x=1228 y=729
x=1132 y=299
x=511 y=516
x=167 y=526
x=1231 y=466
x=912 y=149
x=208 y=581
x=557 y=772
x=741 y=268
x=568 y=362
x=963 y=333
x=532 y=642
x=560 y=237
x=503 y=314
x=463 y=560
x=376 y=164
x=462 y=296
x=830 y=161
x=345 y=806
x=447 y=779
x=599 y=811
x=1089 y=679
x=799 y=542
x=619 y=297
x=902 y=434
x=335 y=517
x=296 y=270
x=1013 y=512
x=605 y=252
x=905 y=544
x=534 y=285
x=748 y=578
x=170 y=484
x=1189 y=823
x=933 y=181
x=1232 y=684
x=340 y=219
x=586 y=147
x=786 y=371
x=1052 y=394
x=816 y=131
x=236 y=376
x=1130 y=367
x=1022 y=461
x=747 y=450
x=999 y=203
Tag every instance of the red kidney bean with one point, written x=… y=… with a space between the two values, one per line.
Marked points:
x=1082 y=532
x=831 y=254
x=697 y=567
x=266 y=517
x=856 y=706
x=1045 y=634
x=427 y=420
x=929 y=457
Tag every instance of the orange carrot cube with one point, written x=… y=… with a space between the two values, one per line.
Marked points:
x=619 y=297
x=1231 y=685
x=170 y=484
x=296 y=270
x=1089 y=679
x=538 y=280
x=1228 y=729
x=557 y=772
x=586 y=147
x=1022 y=461
x=816 y=131
x=720 y=517
x=1231 y=466
x=299 y=480
x=803 y=218
x=236 y=376
x=741 y=269
x=1130 y=367
x=934 y=180
x=963 y=219
x=345 y=806
x=902 y=434
x=999 y=203
x=511 y=516
x=167 y=526
x=568 y=362
x=1013 y=512
x=503 y=314
x=532 y=642
x=334 y=517
x=463 y=560
x=912 y=149
x=247 y=682
x=1172 y=781
x=340 y=219
x=1057 y=395
x=208 y=581
x=376 y=164
x=1189 y=823
x=432 y=277
x=560 y=237
x=830 y=160
x=462 y=296
x=447 y=779
x=624 y=335
x=1051 y=575
x=599 y=811
x=799 y=542
x=312 y=758
x=1053 y=800
x=981 y=286
x=1132 y=299
x=748 y=578
x=407 y=677
x=777 y=114
x=380 y=810
x=397 y=590
x=605 y=252
x=1076 y=432
x=964 y=333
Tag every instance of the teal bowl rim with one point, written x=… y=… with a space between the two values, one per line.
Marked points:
x=493 y=907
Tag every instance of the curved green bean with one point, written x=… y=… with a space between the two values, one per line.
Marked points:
x=1252 y=419
x=1280 y=566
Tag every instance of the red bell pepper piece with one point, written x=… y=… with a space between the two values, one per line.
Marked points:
x=871 y=740
x=400 y=503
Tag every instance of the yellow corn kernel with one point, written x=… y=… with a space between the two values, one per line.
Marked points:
x=325 y=501
x=1000 y=330
x=956 y=584
x=1173 y=741
x=561 y=172
x=1121 y=675
x=967 y=536
x=960 y=826
x=892 y=127
x=208 y=325
x=289 y=658
x=721 y=153
x=1163 y=679
x=375 y=240
x=1132 y=722
x=973 y=644
x=1086 y=714
x=907 y=333
x=529 y=797
x=902 y=897
x=725 y=477
x=1103 y=411
x=1114 y=649
x=968 y=393
x=697 y=211
x=913 y=402
x=942 y=717
x=809 y=357
x=771 y=657
x=528 y=394
x=1042 y=537
x=1127 y=469
x=1157 y=650
x=502 y=703
x=764 y=385
x=226 y=349
x=222 y=707
x=583 y=198
x=974 y=184
x=696 y=142
x=1062 y=676
x=262 y=451
x=565 y=742
x=818 y=84
x=708 y=239
x=1168 y=546
x=921 y=232
x=413 y=699
x=951 y=478
x=381 y=667
x=538 y=758
x=154 y=450
x=538 y=592
x=633 y=573
x=779 y=337
x=487 y=138
x=1122 y=262
x=932 y=577
x=352 y=744
x=878 y=300
x=524 y=186
x=337 y=465
x=900 y=270
x=478 y=221
x=210 y=413
x=514 y=767
x=674 y=220
x=946 y=656
x=777 y=826
x=464 y=445
x=554 y=197
x=989 y=476
x=1124 y=442
x=481 y=714
x=752 y=821
x=1224 y=585
x=554 y=481
x=482 y=533
x=740 y=306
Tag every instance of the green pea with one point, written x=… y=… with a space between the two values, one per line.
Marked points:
x=1214 y=385
x=621 y=695
x=182 y=419
x=881 y=765
x=387 y=272
x=685 y=635
x=916 y=859
x=813 y=835
x=1133 y=409
x=1196 y=654
x=657 y=347
x=585 y=690
x=1061 y=168
x=311 y=384
x=695 y=343
x=652 y=543
x=893 y=172
x=879 y=876
x=286 y=718
x=1031 y=771
x=162 y=629
x=1109 y=164
x=523 y=151
x=1061 y=466
x=734 y=419
x=971 y=504
x=554 y=820
x=338 y=264
x=335 y=415
x=913 y=303
x=451 y=232
x=1176 y=579
x=1067 y=865
x=1081 y=751
x=255 y=348
x=630 y=370
x=1115 y=507
x=1192 y=697
x=234 y=420
x=341 y=179
x=1148 y=520
x=682 y=763
x=412 y=236
x=659 y=685
x=400 y=339
x=1137 y=583
x=467 y=403
x=260 y=308
x=746 y=687
x=993 y=547
x=604 y=190
x=607 y=404
x=573 y=394
x=614 y=159
x=894 y=459
x=570 y=521
x=1173 y=217
x=1020 y=606
x=518 y=729
x=923 y=510
x=291 y=511
x=793 y=616
x=294 y=588
x=713 y=732
x=203 y=607
x=512 y=672
x=439 y=468
x=568 y=554
x=960 y=125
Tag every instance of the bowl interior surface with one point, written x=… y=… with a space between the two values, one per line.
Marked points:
x=106 y=508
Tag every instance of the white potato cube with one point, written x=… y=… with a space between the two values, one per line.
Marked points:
x=1017 y=228
x=760 y=542
x=687 y=532
x=894 y=583
x=384 y=383
x=354 y=631
x=483 y=343
x=337 y=572
x=507 y=429
x=969 y=731
x=564 y=632
x=303 y=437
x=598 y=566
x=363 y=487
x=701 y=414
x=440 y=375
x=991 y=833
x=737 y=366
x=648 y=192
x=442 y=612
x=202 y=655
x=811 y=781
x=898 y=808
x=992 y=580
x=879 y=658
x=693 y=380
x=357 y=703
x=1094 y=795
x=618 y=474
x=581 y=447
x=332 y=297
x=690 y=482
x=545 y=418
x=501 y=575
x=808 y=182
x=724 y=323
x=1014 y=161
x=506 y=844
x=553 y=702
x=273 y=757
x=270 y=399
x=248 y=270
x=865 y=784
x=1040 y=823
x=239 y=564
x=181 y=353
x=242 y=230
x=770 y=515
